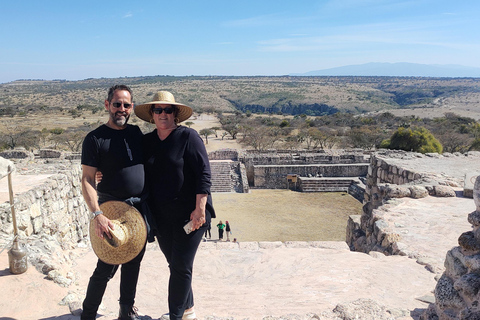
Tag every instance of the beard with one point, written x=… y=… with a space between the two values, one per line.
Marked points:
x=119 y=118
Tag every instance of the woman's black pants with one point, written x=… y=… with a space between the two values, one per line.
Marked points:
x=179 y=250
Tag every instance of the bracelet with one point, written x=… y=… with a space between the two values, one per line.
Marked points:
x=96 y=213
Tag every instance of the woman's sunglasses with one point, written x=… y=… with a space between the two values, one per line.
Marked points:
x=168 y=110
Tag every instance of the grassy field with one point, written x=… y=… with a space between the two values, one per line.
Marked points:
x=284 y=215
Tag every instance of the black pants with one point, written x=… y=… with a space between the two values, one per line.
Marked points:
x=98 y=283
x=220 y=233
x=179 y=250
x=208 y=233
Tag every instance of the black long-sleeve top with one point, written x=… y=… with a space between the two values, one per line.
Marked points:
x=177 y=168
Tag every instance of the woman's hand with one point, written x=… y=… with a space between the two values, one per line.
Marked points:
x=198 y=218
x=198 y=215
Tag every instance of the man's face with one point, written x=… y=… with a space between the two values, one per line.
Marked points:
x=119 y=109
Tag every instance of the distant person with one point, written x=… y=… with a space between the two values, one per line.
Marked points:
x=178 y=178
x=228 y=231
x=220 y=227
x=115 y=149
x=208 y=233
x=234 y=240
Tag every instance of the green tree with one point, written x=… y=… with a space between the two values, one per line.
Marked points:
x=418 y=139
x=231 y=124
x=206 y=132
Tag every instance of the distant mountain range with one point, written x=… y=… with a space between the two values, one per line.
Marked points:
x=400 y=69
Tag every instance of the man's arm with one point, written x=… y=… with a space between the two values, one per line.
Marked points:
x=89 y=191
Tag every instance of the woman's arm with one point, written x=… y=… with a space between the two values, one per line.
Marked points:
x=198 y=215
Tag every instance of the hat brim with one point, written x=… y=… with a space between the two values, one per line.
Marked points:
x=136 y=230
x=143 y=110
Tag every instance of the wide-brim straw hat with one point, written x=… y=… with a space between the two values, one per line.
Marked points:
x=163 y=97
x=128 y=237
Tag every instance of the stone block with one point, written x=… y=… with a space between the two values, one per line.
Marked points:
x=455 y=263
x=444 y=191
x=297 y=244
x=252 y=245
x=468 y=242
x=270 y=244
x=49 y=153
x=418 y=192
x=227 y=245
x=395 y=191
x=474 y=218
x=468 y=285
x=35 y=210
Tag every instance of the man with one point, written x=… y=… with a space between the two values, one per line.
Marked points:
x=115 y=150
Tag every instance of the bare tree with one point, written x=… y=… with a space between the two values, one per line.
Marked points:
x=262 y=138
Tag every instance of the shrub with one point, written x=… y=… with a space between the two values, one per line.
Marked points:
x=418 y=140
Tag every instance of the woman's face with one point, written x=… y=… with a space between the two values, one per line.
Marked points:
x=165 y=119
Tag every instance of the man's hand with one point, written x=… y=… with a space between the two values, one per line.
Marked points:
x=102 y=225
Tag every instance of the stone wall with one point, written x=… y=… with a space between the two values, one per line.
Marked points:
x=456 y=292
x=275 y=176
x=52 y=218
x=385 y=182
x=241 y=186
x=294 y=159
x=224 y=154
x=55 y=208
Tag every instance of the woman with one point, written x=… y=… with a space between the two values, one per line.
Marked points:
x=228 y=231
x=178 y=178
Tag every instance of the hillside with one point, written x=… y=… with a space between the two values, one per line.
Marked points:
x=399 y=69
x=287 y=95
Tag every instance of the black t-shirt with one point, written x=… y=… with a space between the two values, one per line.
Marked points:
x=118 y=155
x=177 y=168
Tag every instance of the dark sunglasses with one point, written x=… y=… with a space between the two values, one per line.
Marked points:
x=119 y=104
x=168 y=110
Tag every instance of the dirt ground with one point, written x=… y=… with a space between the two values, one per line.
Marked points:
x=284 y=215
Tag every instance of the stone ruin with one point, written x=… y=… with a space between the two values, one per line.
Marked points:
x=52 y=218
x=385 y=182
x=51 y=237
x=457 y=290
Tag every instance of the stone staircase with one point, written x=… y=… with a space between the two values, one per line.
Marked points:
x=221 y=176
x=334 y=184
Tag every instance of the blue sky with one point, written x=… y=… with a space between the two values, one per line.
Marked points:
x=73 y=40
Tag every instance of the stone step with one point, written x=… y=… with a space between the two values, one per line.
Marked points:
x=221 y=176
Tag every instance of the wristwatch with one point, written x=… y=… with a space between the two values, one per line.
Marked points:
x=96 y=213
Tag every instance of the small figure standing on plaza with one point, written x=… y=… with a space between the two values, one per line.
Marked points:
x=228 y=230
x=220 y=227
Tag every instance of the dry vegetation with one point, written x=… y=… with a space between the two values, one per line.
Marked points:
x=40 y=107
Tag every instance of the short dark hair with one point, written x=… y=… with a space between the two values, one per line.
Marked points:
x=116 y=87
